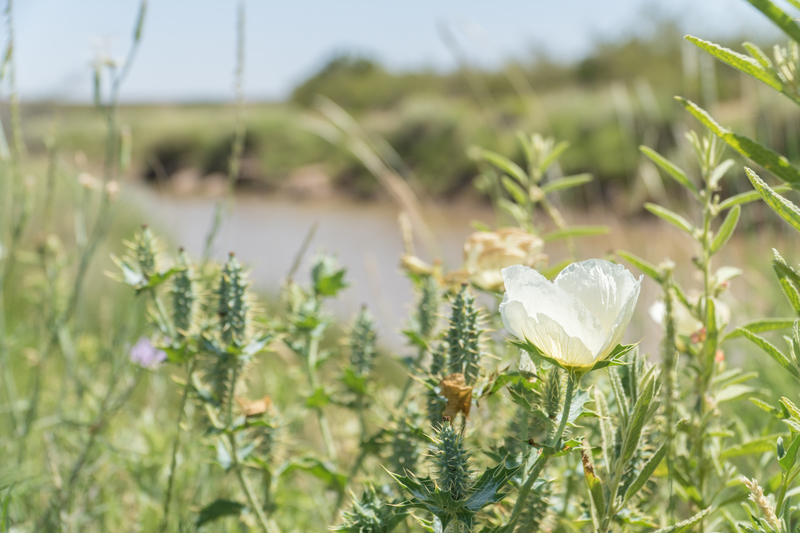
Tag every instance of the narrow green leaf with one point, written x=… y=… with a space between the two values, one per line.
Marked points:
x=785 y=209
x=726 y=229
x=218 y=509
x=514 y=190
x=554 y=154
x=753 y=447
x=670 y=168
x=646 y=472
x=506 y=165
x=566 y=183
x=747 y=197
x=758 y=54
x=760 y=326
x=637 y=421
x=686 y=525
x=671 y=217
x=619 y=395
x=739 y=61
x=789 y=281
x=607 y=432
x=575 y=231
x=594 y=485
x=779 y=17
x=790 y=455
x=772 y=351
x=760 y=154
x=648 y=269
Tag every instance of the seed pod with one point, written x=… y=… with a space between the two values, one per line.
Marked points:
x=451 y=459
x=362 y=343
x=184 y=297
x=233 y=307
x=463 y=337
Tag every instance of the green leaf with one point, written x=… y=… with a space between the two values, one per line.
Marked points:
x=575 y=231
x=726 y=229
x=646 y=472
x=670 y=168
x=566 y=182
x=748 y=197
x=739 y=61
x=506 y=165
x=686 y=525
x=761 y=326
x=486 y=489
x=516 y=192
x=313 y=466
x=554 y=154
x=595 y=487
x=712 y=336
x=607 y=432
x=779 y=17
x=790 y=455
x=671 y=217
x=785 y=209
x=218 y=509
x=789 y=281
x=638 y=419
x=772 y=351
x=760 y=154
x=318 y=399
x=354 y=382
x=648 y=269
x=753 y=447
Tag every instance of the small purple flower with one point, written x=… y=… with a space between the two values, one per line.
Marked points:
x=146 y=355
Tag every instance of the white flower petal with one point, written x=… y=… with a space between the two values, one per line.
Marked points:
x=546 y=334
x=541 y=297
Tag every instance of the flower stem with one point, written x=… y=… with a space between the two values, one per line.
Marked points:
x=176 y=444
x=553 y=445
x=327 y=437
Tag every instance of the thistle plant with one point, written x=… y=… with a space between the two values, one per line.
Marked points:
x=456 y=494
x=463 y=337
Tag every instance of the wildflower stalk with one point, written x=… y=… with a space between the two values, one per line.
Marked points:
x=553 y=445
x=327 y=436
x=176 y=444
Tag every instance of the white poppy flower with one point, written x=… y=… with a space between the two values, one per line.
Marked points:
x=576 y=320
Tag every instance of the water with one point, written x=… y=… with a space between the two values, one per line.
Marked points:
x=267 y=232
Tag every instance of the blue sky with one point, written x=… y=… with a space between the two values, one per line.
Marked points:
x=188 y=47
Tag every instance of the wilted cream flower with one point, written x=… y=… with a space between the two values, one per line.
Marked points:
x=87 y=181
x=112 y=189
x=576 y=320
x=486 y=253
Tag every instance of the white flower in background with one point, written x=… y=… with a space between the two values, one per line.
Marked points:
x=685 y=323
x=576 y=320
x=486 y=253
